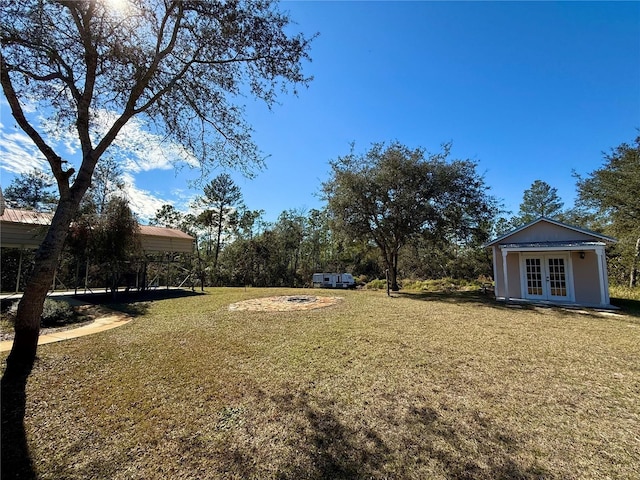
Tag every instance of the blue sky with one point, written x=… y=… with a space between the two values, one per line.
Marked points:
x=528 y=90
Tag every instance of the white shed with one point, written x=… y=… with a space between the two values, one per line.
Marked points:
x=547 y=260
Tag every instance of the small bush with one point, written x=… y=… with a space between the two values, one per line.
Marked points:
x=624 y=292
x=56 y=313
x=376 y=284
x=446 y=284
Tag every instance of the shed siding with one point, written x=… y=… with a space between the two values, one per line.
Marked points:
x=548 y=232
x=498 y=272
x=513 y=271
x=585 y=278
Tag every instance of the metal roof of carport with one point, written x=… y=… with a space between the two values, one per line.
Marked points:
x=23 y=229
x=163 y=239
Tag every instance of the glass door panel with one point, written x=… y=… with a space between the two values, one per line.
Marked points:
x=557 y=277
x=534 y=277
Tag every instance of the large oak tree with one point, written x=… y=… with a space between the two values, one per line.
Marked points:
x=177 y=65
x=391 y=194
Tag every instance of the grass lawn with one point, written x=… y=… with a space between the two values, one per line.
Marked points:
x=419 y=386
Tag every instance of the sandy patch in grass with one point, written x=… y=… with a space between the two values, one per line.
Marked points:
x=284 y=303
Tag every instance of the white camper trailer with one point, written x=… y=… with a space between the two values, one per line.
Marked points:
x=333 y=280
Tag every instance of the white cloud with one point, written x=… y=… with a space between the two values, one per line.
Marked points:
x=59 y=136
x=18 y=153
x=137 y=150
x=142 y=202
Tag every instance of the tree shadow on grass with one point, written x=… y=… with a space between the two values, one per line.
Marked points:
x=472 y=297
x=628 y=306
x=134 y=302
x=492 y=455
x=478 y=298
x=329 y=447
x=16 y=460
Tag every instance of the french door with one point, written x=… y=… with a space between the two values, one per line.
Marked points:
x=546 y=277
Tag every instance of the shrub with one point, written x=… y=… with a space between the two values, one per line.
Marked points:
x=56 y=313
x=446 y=284
x=624 y=292
x=376 y=284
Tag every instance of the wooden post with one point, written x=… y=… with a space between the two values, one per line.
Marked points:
x=19 y=272
x=601 y=276
x=633 y=277
x=75 y=281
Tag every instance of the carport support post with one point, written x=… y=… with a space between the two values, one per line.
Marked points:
x=19 y=272
x=86 y=275
x=506 y=276
x=168 y=266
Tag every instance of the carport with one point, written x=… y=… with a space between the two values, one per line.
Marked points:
x=25 y=230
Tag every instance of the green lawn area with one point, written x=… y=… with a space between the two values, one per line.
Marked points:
x=417 y=386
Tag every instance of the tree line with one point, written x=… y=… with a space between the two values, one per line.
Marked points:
x=390 y=211
x=405 y=213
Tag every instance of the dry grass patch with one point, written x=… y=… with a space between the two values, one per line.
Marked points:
x=416 y=386
x=284 y=303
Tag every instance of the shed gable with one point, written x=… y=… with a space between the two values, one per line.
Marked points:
x=547 y=232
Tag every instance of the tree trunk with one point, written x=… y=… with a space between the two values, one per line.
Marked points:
x=218 y=239
x=27 y=327
x=633 y=278
x=393 y=272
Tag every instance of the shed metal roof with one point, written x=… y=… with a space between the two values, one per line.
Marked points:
x=154 y=239
x=562 y=244
x=30 y=217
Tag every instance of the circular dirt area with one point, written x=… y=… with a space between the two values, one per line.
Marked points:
x=284 y=303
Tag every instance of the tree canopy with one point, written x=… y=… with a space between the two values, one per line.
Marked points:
x=391 y=194
x=539 y=200
x=221 y=197
x=32 y=191
x=178 y=66
x=612 y=194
